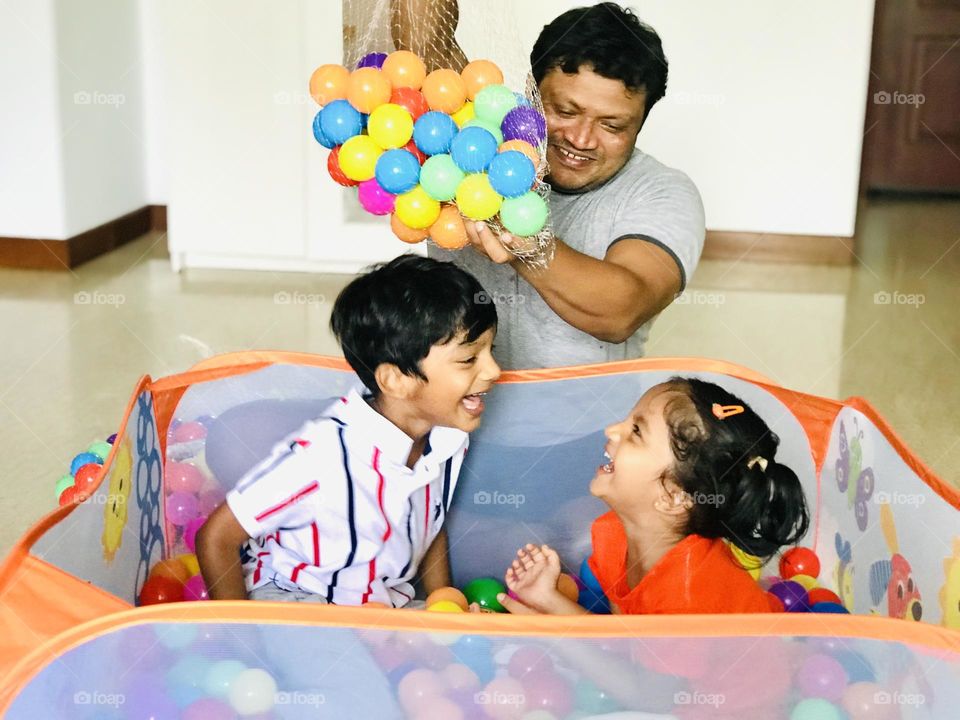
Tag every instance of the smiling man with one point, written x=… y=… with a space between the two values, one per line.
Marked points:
x=629 y=230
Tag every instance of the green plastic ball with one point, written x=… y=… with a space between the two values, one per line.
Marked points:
x=484 y=591
x=816 y=709
x=490 y=127
x=493 y=103
x=440 y=177
x=100 y=449
x=63 y=483
x=593 y=700
x=525 y=215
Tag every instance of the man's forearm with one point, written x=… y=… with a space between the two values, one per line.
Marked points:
x=427 y=28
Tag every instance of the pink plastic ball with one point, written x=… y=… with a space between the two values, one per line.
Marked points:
x=374 y=199
x=869 y=701
x=418 y=689
x=503 y=699
x=187 y=432
x=821 y=676
x=182 y=477
x=208 y=709
x=209 y=500
x=529 y=660
x=439 y=708
x=547 y=691
x=459 y=677
x=181 y=508
x=190 y=532
x=195 y=589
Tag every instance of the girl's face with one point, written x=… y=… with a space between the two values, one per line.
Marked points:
x=639 y=454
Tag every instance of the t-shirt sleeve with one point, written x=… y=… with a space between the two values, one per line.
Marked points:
x=666 y=210
x=281 y=491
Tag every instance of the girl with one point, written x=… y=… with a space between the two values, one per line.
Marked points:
x=690 y=473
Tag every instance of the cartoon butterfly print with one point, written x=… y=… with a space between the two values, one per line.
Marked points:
x=850 y=466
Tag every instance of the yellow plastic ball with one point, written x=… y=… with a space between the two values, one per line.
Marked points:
x=808 y=582
x=190 y=562
x=416 y=209
x=464 y=115
x=358 y=157
x=476 y=198
x=390 y=126
x=445 y=606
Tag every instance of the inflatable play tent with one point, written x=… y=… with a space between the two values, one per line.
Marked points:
x=883 y=525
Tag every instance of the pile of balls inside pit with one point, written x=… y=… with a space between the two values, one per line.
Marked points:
x=84 y=472
x=796 y=589
x=429 y=149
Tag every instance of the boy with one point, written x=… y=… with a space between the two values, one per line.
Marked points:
x=346 y=509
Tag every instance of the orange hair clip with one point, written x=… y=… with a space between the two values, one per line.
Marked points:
x=722 y=412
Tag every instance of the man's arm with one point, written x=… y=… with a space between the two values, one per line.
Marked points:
x=435 y=568
x=218 y=552
x=426 y=28
x=610 y=298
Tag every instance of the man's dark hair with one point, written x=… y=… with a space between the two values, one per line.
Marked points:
x=610 y=40
x=398 y=310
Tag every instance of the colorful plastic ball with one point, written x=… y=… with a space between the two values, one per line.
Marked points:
x=416 y=209
x=148 y=699
x=821 y=594
x=483 y=591
x=444 y=90
x=190 y=532
x=478 y=74
x=440 y=177
x=160 y=589
x=528 y=660
x=476 y=198
x=101 y=449
x=830 y=608
x=390 y=126
x=448 y=231
x=368 y=88
x=869 y=701
x=374 y=199
x=181 y=508
x=329 y=83
x=506 y=698
x=182 y=477
x=547 y=691
x=68 y=497
x=493 y=102
x=66 y=481
x=405 y=233
x=768 y=582
x=209 y=500
x=208 y=709
x=86 y=478
x=170 y=568
x=511 y=173
x=472 y=149
x=799 y=561
x=220 y=675
x=524 y=123
x=816 y=709
x=336 y=173
x=568 y=587
x=112 y=439
x=593 y=700
x=188 y=432
x=410 y=100
x=184 y=680
x=821 y=676
x=252 y=691
x=397 y=171
x=445 y=606
x=792 y=595
x=374 y=60
x=476 y=652
x=340 y=121
x=459 y=678
x=195 y=589
x=808 y=582
x=318 y=134
x=404 y=69
x=358 y=157
x=488 y=126
x=464 y=115
x=592 y=596
x=525 y=215
x=450 y=594
x=418 y=688
x=411 y=147
x=82 y=459
x=433 y=132
x=521 y=146
x=190 y=562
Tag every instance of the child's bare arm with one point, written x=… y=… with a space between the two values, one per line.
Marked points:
x=435 y=568
x=218 y=544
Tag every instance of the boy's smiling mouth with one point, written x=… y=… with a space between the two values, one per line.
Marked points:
x=473 y=403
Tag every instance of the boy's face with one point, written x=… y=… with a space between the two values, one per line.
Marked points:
x=458 y=374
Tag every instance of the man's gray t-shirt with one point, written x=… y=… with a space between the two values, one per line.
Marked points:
x=646 y=200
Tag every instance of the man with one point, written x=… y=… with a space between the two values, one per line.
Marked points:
x=629 y=230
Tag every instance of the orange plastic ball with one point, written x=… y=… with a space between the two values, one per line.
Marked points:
x=522 y=146
x=478 y=74
x=567 y=587
x=404 y=69
x=373 y=605
x=367 y=89
x=449 y=232
x=329 y=83
x=449 y=594
x=171 y=568
x=444 y=90
x=406 y=233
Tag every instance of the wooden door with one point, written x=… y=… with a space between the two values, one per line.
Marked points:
x=912 y=130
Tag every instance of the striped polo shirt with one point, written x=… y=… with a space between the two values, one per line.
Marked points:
x=335 y=511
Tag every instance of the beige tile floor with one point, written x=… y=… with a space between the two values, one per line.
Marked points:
x=69 y=360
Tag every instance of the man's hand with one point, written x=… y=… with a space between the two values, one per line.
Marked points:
x=497 y=249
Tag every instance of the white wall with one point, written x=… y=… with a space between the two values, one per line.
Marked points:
x=156 y=166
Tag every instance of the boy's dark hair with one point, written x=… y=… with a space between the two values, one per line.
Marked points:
x=759 y=509
x=609 y=39
x=397 y=311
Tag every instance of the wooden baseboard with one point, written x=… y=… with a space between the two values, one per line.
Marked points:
x=42 y=254
x=779 y=248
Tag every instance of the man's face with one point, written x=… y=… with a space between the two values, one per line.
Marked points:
x=592 y=126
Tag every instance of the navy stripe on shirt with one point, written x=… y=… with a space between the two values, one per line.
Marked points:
x=350 y=515
x=406 y=568
x=447 y=469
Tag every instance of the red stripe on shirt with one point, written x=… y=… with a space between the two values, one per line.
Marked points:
x=296 y=571
x=256 y=572
x=296 y=497
x=386 y=534
x=426 y=516
x=316 y=544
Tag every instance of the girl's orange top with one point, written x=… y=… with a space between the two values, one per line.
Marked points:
x=699 y=575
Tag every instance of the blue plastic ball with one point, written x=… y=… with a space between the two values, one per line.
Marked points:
x=82 y=459
x=476 y=652
x=318 y=133
x=340 y=121
x=433 y=132
x=511 y=173
x=397 y=171
x=591 y=596
x=472 y=149
x=829 y=607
